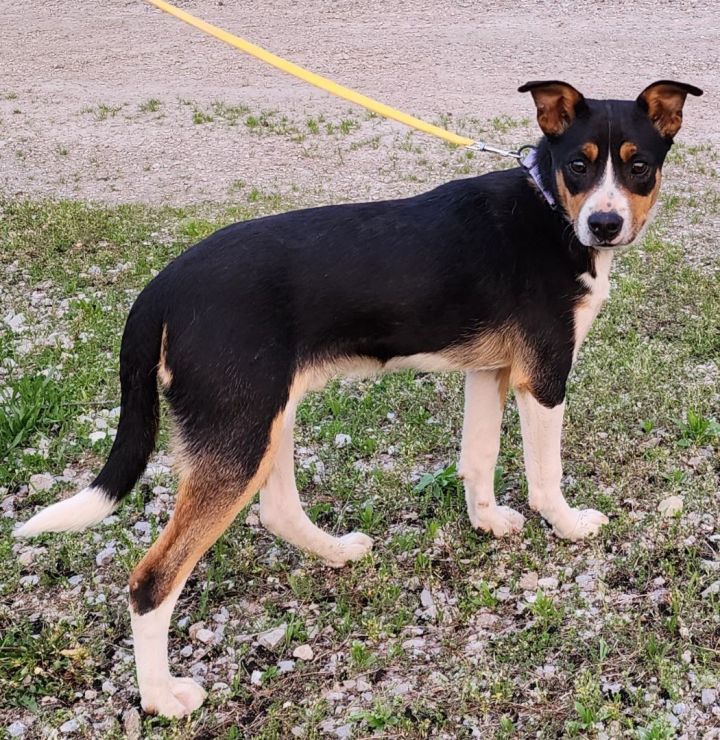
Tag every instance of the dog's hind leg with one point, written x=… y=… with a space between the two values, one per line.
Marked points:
x=485 y=393
x=282 y=513
x=210 y=495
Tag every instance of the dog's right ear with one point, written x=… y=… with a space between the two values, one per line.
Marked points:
x=557 y=104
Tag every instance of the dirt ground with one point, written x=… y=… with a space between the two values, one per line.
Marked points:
x=77 y=77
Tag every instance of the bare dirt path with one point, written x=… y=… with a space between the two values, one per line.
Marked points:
x=110 y=101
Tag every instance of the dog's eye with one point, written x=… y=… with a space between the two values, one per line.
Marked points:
x=640 y=168
x=578 y=167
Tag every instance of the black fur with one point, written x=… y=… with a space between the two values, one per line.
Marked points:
x=256 y=302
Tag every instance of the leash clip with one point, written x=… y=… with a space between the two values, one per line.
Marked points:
x=482 y=146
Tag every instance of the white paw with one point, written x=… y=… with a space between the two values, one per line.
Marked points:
x=353 y=546
x=500 y=520
x=177 y=698
x=577 y=524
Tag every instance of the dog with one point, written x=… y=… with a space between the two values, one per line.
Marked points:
x=499 y=276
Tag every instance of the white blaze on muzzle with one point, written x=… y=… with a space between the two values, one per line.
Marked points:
x=607 y=200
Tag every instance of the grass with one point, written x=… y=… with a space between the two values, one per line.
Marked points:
x=434 y=621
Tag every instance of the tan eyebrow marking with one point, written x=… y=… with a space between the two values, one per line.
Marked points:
x=627 y=150
x=590 y=150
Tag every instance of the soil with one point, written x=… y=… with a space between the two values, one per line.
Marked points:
x=61 y=61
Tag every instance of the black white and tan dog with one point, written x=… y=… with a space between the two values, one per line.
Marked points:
x=498 y=276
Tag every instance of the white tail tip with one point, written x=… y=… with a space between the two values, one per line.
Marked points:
x=83 y=509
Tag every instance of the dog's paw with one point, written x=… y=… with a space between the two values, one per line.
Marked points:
x=578 y=524
x=500 y=520
x=353 y=546
x=176 y=698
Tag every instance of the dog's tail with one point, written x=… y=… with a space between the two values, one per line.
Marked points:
x=137 y=428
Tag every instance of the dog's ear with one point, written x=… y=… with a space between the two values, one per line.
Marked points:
x=663 y=101
x=557 y=104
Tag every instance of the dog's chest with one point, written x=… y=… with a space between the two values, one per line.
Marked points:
x=598 y=292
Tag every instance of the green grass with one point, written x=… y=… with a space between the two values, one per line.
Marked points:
x=642 y=424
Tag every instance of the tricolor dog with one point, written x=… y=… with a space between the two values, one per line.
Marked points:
x=498 y=276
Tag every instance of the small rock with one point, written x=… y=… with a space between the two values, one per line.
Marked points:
x=670 y=506
x=286 y=666
x=105 y=555
x=303 y=652
x=342 y=440
x=70 y=726
x=41 y=482
x=256 y=678
x=272 y=638
x=679 y=709
x=708 y=697
x=548 y=584
x=502 y=593
x=205 y=635
x=400 y=689
x=252 y=520
x=32 y=580
x=90 y=695
x=96 y=436
x=16 y=729
x=27 y=556
x=15 y=322
x=108 y=687
x=529 y=581
x=187 y=651
x=131 y=724
x=712 y=589
x=343 y=732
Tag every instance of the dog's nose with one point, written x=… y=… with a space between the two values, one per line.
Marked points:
x=605 y=225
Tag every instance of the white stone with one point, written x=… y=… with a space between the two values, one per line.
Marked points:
x=70 y=726
x=342 y=440
x=670 y=506
x=708 y=697
x=105 y=555
x=712 y=589
x=273 y=637
x=303 y=652
x=187 y=651
x=96 y=436
x=131 y=724
x=256 y=678
x=31 y=580
x=41 y=482
x=286 y=666
x=108 y=687
x=205 y=635
x=15 y=322
x=529 y=581
x=16 y=729
x=548 y=584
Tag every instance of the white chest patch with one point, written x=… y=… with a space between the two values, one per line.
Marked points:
x=589 y=307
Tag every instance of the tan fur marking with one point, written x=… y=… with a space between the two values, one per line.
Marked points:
x=590 y=150
x=555 y=105
x=571 y=203
x=208 y=500
x=627 y=150
x=641 y=205
x=164 y=373
x=486 y=350
x=665 y=104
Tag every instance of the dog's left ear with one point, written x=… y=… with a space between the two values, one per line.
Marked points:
x=557 y=104
x=663 y=101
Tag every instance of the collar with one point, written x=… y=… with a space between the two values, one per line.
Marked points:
x=529 y=162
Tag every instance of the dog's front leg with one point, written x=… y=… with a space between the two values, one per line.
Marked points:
x=542 y=431
x=485 y=393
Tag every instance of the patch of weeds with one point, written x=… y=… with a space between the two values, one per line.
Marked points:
x=150 y=106
x=103 y=111
x=697 y=429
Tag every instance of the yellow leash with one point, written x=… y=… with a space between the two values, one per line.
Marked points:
x=328 y=85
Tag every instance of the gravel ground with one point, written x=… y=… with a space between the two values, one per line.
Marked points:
x=62 y=62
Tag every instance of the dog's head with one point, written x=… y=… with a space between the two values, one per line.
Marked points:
x=606 y=155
